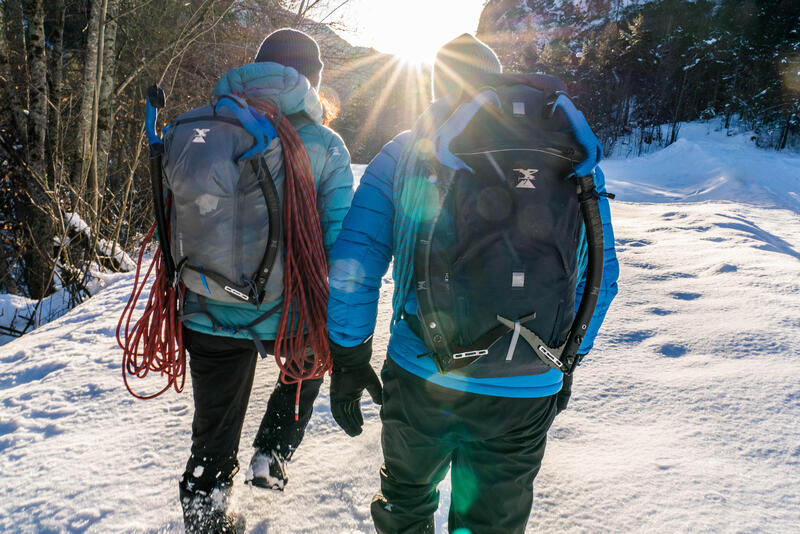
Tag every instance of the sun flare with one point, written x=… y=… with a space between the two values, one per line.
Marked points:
x=414 y=30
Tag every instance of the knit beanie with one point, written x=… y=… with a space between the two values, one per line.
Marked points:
x=295 y=49
x=460 y=63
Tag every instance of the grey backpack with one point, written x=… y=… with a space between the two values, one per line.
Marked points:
x=226 y=236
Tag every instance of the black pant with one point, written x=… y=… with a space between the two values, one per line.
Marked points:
x=494 y=444
x=222 y=371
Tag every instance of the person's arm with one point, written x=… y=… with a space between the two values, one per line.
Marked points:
x=359 y=260
x=335 y=191
x=608 y=288
x=363 y=251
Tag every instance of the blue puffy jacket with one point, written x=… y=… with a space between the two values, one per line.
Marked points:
x=361 y=256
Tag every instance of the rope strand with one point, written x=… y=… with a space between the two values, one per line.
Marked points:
x=301 y=346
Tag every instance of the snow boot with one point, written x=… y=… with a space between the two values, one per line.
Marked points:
x=267 y=470
x=205 y=513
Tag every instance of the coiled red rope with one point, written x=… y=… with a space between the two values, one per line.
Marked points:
x=154 y=343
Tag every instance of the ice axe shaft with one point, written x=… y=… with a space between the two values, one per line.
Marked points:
x=155 y=101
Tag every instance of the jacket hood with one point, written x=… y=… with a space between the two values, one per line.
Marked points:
x=275 y=84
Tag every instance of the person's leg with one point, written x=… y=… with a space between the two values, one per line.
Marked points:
x=222 y=371
x=279 y=431
x=280 y=434
x=492 y=475
x=416 y=452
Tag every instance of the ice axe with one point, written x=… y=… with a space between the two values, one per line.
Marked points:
x=155 y=101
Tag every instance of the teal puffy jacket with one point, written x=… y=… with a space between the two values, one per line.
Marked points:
x=330 y=164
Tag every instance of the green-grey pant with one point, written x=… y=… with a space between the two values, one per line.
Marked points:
x=495 y=446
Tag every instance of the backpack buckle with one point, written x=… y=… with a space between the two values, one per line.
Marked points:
x=470 y=354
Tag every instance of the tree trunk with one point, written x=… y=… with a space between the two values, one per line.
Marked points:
x=94 y=182
x=785 y=133
x=674 y=133
x=80 y=172
x=38 y=91
x=56 y=81
x=17 y=90
x=105 y=119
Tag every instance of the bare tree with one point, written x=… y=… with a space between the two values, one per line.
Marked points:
x=38 y=89
x=17 y=61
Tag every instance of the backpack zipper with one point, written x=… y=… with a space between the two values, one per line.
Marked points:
x=550 y=150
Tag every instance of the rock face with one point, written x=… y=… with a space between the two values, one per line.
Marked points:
x=521 y=31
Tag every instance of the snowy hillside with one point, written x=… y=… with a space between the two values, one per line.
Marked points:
x=684 y=417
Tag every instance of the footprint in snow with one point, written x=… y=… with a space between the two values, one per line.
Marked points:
x=715 y=497
x=563 y=432
x=49 y=431
x=659 y=311
x=665 y=464
x=53 y=414
x=726 y=268
x=32 y=374
x=685 y=296
x=672 y=351
x=17 y=356
x=636 y=336
x=661 y=277
x=8 y=427
x=633 y=242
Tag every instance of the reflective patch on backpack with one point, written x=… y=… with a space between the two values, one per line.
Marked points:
x=526 y=180
x=206 y=203
x=200 y=135
x=518 y=108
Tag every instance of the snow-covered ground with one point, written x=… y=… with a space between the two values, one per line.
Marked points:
x=684 y=418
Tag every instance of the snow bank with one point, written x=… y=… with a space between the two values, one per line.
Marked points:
x=19 y=314
x=705 y=164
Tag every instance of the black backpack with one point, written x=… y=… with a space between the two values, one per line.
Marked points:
x=496 y=265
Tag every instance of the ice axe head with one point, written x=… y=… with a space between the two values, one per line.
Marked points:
x=155 y=101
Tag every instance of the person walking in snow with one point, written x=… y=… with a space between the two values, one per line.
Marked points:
x=222 y=338
x=486 y=421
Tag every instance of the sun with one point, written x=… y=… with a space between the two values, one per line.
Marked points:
x=418 y=50
x=413 y=30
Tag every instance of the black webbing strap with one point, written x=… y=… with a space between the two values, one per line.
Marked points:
x=249 y=329
x=270 y=192
x=157 y=184
x=216 y=326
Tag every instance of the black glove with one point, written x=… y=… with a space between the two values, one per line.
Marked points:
x=562 y=397
x=351 y=375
